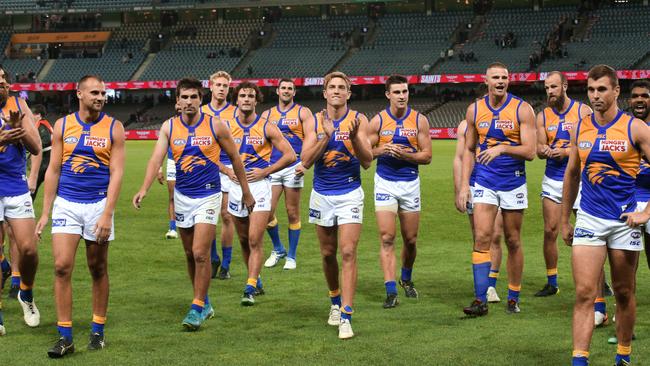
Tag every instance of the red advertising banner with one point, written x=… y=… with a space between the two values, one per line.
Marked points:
x=525 y=77
x=443 y=133
x=141 y=134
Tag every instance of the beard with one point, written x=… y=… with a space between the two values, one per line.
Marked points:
x=557 y=103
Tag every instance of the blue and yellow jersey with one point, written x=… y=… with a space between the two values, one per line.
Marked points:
x=609 y=162
x=86 y=156
x=643 y=180
x=169 y=154
x=290 y=125
x=254 y=148
x=227 y=114
x=338 y=170
x=399 y=131
x=557 y=127
x=195 y=150
x=13 y=160
x=497 y=127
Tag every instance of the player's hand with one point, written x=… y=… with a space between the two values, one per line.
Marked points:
x=328 y=125
x=11 y=136
x=40 y=225
x=31 y=184
x=462 y=199
x=635 y=219
x=256 y=175
x=160 y=177
x=14 y=119
x=231 y=174
x=300 y=170
x=103 y=229
x=138 y=198
x=557 y=153
x=567 y=233
x=546 y=151
x=248 y=200
x=354 y=128
x=486 y=156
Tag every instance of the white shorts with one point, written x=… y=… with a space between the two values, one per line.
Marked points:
x=552 y=189
x=225 y=181
x=287 y=177
x=517 y=199
x=593 y=231
x=640 y=206
x=470 y=203
x=78 y=218
x=16 y=207
x=403 y=195
x=192 y=211
x=261 y=191
x=336 y=210
x=171 y=169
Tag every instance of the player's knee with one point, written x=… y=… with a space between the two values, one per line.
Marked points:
x=410 y=242
x=293 y=216
x=200 y=256
x=387 y=239
x=62 y=269
x=550 y=231
x=28 y=251
x=328 y=252
x=513 y=241
x=97 y=269
x=348 y=254
x=483 y=239
x=623 y=292
x=585 y=294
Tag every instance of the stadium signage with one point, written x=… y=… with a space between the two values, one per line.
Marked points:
x=77 y=37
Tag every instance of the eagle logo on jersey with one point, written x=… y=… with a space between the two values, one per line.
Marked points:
x=190 y=162
x=249 y=158
x=3 y=148
x=597 y=172
x=333 y=158
x=80 y=163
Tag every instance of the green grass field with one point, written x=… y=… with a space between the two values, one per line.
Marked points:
x=150 y=294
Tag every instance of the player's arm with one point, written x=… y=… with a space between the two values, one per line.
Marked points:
x=542 y=143
x=570 y=187
x=313 y=147
x=156 y=160
x=52 y=175
x=458 y=156
x=524 y=151
x=373 y=136
x=228 y=145
x=35 y=164
x=360 y=143
x=280 y=143
x=31 y=140
x=116 y=169
x=423 y=155
x=641 y=137
x=469 y=157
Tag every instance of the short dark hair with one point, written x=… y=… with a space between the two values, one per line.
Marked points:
x=600 y=71
x=563 y=78
x=189 y=83
x=88 y=77
x=497 y=64
x=39 y=109
x=286 y=80
x=395 y=79
x=247 y=85
x=643 y=83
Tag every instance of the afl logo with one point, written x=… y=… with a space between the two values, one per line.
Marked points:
x=237 y=140
x=179 y=142
x=386 y=133
x=71 y=140
x=484 y=125
x=551 y=128
x=582 y=145
x=636 y=235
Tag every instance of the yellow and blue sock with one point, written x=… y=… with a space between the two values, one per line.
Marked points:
x=492 y=279
x=65 y=330
x=214 y=255
x=274 y=232
x=251 y=283
x=294 y=237
x=391 y=287
x=407 y=273
x=513 y=292
x=226 y=256
x=172 y=225
x=26 y=292
x=623 y=353
x=551 y=277
x=335 y=297
x=15 y=279
x=346 y=313
x=197 y=305
x=4 y=263
x=580 y=358
x=97 y=325
x=481 y=269
x=600 y=305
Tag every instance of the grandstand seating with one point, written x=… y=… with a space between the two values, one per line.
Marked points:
x=303 y=47
x=405 y=43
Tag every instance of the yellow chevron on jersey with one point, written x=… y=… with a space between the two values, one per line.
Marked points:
x=252 y=143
